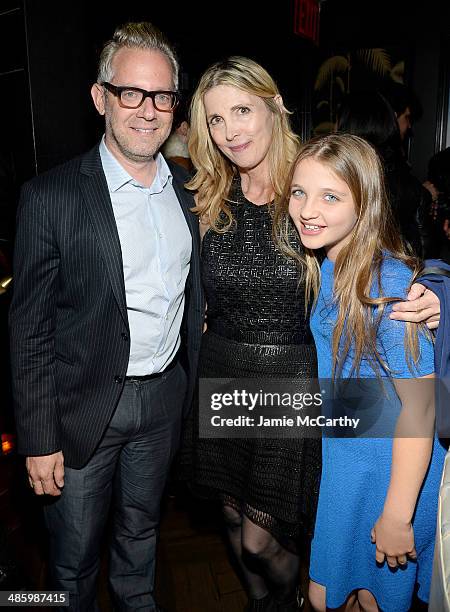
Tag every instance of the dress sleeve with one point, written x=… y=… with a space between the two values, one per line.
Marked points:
x=395 y=282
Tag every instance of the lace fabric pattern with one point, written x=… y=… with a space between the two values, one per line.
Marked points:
x=257 y=328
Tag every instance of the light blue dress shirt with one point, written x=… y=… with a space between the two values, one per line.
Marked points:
x=156 y=251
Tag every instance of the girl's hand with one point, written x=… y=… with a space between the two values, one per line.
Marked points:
x=394 y=540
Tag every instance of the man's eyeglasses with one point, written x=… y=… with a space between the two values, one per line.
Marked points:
x=133 y=97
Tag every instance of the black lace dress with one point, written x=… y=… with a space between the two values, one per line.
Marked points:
x=256 y=328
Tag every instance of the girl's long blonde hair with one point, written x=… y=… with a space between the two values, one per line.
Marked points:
x=214 y=171
x=358 y=264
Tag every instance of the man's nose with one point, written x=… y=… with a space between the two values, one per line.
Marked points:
x=147 y=109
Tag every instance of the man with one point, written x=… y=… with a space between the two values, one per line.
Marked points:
x=106 y=309
x=407 y=108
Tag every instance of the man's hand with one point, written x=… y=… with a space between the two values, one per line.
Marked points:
x=46 y=473
x=421 y=306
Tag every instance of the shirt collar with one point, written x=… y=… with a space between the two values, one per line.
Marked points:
x=117 y=176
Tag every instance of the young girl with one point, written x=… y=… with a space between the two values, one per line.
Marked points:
x=374 y=534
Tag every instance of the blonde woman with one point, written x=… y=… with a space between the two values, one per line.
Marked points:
x=242 y=145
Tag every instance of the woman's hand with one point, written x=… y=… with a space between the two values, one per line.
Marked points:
x=394 y=540
x=420 y=306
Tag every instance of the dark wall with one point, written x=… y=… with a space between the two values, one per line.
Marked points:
x=16 y=135
x=58 y=47
x=425 y=81
x=64 y=39
x=49 y=53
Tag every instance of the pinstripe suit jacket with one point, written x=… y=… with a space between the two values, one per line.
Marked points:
x=68 y=317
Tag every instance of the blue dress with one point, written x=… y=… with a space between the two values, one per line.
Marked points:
x=356 y=472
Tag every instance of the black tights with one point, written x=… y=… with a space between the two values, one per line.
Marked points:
x=265 y=564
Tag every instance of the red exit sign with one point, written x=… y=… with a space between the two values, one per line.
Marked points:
x=306 y=19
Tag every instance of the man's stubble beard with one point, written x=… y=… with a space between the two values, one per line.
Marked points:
x=147 y=154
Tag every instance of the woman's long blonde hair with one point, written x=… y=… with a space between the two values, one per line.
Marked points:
x=214 y=172
x=358 y=264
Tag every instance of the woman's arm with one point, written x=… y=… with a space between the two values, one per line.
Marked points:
x=393 y=533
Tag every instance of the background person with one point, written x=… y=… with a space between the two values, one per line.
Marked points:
x=438 y=184
x=407 y=109
x=369 y=115
x=176 y=146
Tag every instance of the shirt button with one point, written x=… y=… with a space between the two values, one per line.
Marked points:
x=124 y=336
x=118 y=379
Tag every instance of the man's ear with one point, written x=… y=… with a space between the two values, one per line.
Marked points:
x=183 y=129
x=98 y=96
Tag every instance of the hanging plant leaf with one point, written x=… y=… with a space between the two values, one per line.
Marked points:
x=337 y=63
x=397 y=73
x=326 y=127
x=340 y=82
x=377 y=60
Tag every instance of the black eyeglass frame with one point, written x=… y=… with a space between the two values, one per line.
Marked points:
x=117 y=91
